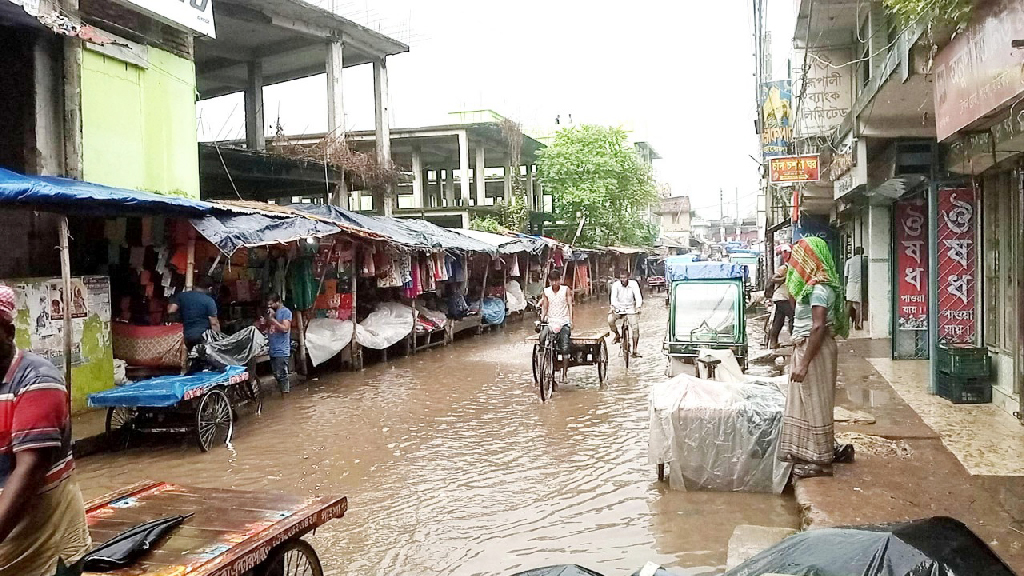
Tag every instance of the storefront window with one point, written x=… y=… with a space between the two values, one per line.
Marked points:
x=990 y=215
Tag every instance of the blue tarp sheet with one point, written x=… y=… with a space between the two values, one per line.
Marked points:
x=392 y=228
x=507 y=244
x=229 y=232
x=681 y=268
x=75 y=196
x=447 y=239
x=165 y=391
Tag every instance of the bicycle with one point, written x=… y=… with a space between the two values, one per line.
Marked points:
x=585 y=349
x=544 y=361
x=625 y=338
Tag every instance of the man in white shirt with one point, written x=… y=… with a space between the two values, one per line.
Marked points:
x=853 y=272
x=626 y=301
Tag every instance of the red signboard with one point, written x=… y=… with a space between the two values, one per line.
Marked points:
x=979 y=71
x=787 y=169
x=957 y=264
x=912 y=264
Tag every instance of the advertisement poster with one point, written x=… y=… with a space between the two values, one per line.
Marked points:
x=912 y=264
x=957 y=265
x=776 y=117
x=790 y=169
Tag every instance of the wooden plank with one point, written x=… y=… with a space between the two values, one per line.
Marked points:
x=68 y=330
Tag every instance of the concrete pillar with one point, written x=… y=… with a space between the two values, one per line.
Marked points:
x=481 y=177
x=879 y=289
x=531 y=201
x=72 y=112
x=255 y=138
x=49 y=113
x=336 y=107
x=449 y=187
x=508 y=181
x=427 y=196
x=383 y=131
x=417 y=180
x=464 y=168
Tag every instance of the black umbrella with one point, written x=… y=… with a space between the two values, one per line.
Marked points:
x=124 y=549
x=559 y=570
x=937 y=546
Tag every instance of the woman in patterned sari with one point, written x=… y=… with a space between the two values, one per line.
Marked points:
x=808 y=435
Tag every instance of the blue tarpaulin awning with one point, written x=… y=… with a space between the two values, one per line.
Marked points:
x=506 y=244
x=389 y=227
x=682 y=268
x=75 y=196
x=229 y=232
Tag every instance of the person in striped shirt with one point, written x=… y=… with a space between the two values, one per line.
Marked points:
x=42 y=514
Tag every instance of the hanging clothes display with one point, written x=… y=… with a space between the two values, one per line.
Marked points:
x=369 y=270
x=301 y=283
x=514 y=269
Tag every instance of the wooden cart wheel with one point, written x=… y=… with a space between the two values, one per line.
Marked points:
x=535 y=363
x=213 y=420
x=255 y=392
x=121 y=423
x=602 y=362
x=293 y=558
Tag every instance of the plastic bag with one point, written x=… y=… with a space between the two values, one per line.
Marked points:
x=515 y=300
x=220 y=351
x=385 y=326
x=326 y=337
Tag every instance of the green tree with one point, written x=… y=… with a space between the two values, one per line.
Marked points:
x=594 y=174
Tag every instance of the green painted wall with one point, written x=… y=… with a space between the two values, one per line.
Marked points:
x=139 y=124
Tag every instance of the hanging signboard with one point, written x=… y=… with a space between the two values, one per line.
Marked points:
x=912 y=264
x=193 y=15
x=957 y=266
x=776 y=118
x=790 y=169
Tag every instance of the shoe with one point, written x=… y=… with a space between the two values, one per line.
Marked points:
x=637 y=355
x=811 y=471
x=616 y=340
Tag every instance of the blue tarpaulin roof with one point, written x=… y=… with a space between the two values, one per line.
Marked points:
x=681 y=268
x=447 y=239
x=164 y=391
x=229 y=232
x=66 y=195
x=389 y=227
x=506 y=244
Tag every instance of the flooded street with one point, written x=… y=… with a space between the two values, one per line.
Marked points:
x=453 y=466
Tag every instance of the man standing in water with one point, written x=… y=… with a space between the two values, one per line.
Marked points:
x=626 y=301
x=42 y=514
x=808 y=434
x=279 y=319
x=556 y=310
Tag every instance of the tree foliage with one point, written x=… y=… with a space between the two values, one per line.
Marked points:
x=593 y=173
x=907 y=13
x=487 y=225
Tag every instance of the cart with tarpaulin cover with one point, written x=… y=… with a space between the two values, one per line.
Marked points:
x=706 y=310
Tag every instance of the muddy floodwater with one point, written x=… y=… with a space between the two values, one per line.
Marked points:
x=453 y=466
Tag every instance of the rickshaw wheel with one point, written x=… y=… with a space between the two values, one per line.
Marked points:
x=256 y=393
x=213 y=419
x=661 y=472
x=293 y=558
x=121 y=422
x=602 y=362
x=535 y=363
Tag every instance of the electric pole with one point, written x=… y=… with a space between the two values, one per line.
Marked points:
x=721 y=216
x=738 y=214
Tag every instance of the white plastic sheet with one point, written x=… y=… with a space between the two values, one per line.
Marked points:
x=720 y=436
x=385 y=326
x=515 y=300
x=728 y=371
x=326 y=337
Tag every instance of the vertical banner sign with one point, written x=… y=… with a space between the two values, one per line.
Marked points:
x=957 y=265
x=776 y=118
x=912 y=264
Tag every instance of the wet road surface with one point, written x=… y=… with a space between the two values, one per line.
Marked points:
x=453 y=466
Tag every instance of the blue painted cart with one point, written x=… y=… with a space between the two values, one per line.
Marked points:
x=202 y=404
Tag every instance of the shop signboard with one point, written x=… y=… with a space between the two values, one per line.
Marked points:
x=792 y=169
x=776 y=118
x=911 y=264
x=825 y=85
x=956 y=258
x=979 y=71
x=192 y=15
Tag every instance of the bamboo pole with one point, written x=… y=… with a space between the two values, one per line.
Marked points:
x=354 y=351
x=65 y=273
x=190 y=269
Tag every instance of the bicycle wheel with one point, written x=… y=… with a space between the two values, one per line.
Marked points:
x=293 y=558
x=547 y=373
x=627 y=344
x=120 y=424
x=535 y=363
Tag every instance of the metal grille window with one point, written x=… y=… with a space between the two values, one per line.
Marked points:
x=1000 y=204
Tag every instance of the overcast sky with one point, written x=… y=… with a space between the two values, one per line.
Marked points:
x=677 y=74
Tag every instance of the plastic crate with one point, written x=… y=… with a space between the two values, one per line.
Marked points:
x=960 y=390
x=964 y=361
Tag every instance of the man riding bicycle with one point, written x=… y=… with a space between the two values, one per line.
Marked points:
x=556 y=311
x=626 y=301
